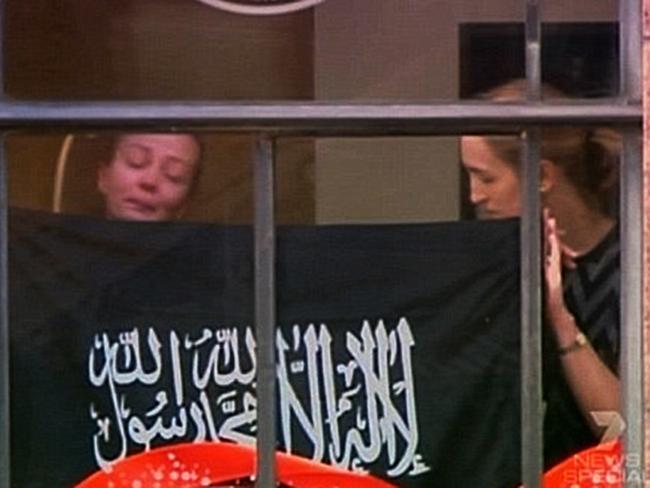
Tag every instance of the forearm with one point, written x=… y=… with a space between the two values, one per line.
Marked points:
x=595 y=387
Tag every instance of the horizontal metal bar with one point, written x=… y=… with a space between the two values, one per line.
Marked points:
x=313 y=118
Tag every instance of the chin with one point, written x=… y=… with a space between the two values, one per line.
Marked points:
x=483 y=215
x=135 y=217
x=494 y=215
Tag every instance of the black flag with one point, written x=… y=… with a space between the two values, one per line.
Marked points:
x=397 y=346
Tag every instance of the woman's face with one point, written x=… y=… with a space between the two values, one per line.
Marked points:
x=494 y=184
x=149 y=176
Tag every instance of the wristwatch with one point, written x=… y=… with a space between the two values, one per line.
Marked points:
x=579 y=342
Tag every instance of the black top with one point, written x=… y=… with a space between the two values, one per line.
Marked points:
x=591 y=292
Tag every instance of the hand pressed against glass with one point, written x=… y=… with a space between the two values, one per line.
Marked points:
x=150 y=176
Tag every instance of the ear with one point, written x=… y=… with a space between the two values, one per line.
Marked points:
x=548 y=177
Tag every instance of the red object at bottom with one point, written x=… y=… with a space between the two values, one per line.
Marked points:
x=600 y=466
x=213 y=464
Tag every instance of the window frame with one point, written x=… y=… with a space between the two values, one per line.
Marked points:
x=270 y=121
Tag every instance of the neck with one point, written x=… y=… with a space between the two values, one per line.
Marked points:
x=581 y=226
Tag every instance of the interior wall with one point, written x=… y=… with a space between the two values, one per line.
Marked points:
x=157 y=50
x=153 y=49
x=402 y=50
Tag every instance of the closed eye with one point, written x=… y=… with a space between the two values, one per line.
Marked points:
x=486 y=179
x=482 y=176
x=135 y=156
x=177 y=171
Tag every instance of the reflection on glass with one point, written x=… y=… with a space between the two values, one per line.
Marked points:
x=580 y=58
x=580 y=47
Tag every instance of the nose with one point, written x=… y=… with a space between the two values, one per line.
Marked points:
x=149 y=178
x=476 y=193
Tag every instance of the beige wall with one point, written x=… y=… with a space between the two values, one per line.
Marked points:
x=386 y=180
x=401 y=49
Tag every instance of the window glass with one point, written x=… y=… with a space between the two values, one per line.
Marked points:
x=387 y=180
x=334 y=51
x=580 y=46
x=373 y=184
x=400 y=265
x=132 y=324
x=157 y=50
x=580 y=59
x=417 y=305
x=398 y=292
x=579 y=190
x=63 y=173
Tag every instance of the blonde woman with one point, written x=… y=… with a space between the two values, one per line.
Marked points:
x=578 y=185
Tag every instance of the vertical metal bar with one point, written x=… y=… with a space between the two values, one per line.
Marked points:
x=3 y=8
x=632 y=307
x=531 y=324
x=533 y=49
x=5 y=442
x=632 y=384
x=630 y=47
x=4 y=326
x=531 y=280
x=265 y=310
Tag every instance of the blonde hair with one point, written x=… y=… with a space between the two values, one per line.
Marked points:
x=589 y=156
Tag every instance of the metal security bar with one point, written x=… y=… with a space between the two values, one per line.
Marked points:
x=5 y=424
x=532 y=439
x=533 y=30
x=632 y=336
x=630 y=32
x=265 y=310
x=5 y=427
x=631 y=309
x=318 y=119
x=531 y=312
